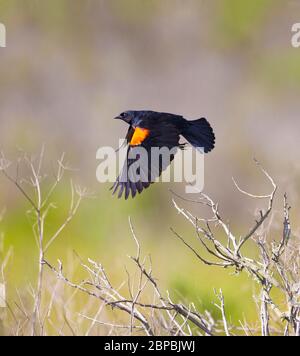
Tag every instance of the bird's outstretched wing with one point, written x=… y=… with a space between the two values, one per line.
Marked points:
x=141 y=169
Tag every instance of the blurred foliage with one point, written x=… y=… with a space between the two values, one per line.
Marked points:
x=281 y=70
x=242 y=21
x=135 y=11
x=71 y=65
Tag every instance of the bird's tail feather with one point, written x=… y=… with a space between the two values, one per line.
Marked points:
x=200 y=134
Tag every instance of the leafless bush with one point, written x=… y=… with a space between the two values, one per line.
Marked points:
x=277 y=265
x=161 y=316
x=40 y=204
x=147 y=309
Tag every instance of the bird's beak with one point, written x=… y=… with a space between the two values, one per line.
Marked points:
x=117 y=118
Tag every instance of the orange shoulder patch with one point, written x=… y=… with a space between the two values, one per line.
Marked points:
x=139 y=136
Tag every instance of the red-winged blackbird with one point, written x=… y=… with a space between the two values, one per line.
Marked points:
x=148 y=129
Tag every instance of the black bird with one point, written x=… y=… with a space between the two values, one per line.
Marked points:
x=148 y=129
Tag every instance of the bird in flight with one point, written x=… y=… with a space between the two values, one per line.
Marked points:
x=149 y=129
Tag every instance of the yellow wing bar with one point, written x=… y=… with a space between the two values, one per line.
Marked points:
x=139 y=136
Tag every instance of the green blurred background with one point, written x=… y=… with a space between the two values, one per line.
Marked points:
x=71 y=66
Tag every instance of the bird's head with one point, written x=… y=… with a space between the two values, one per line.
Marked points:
x=126 y=116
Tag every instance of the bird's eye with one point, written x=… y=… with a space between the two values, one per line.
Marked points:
x=123 y=114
